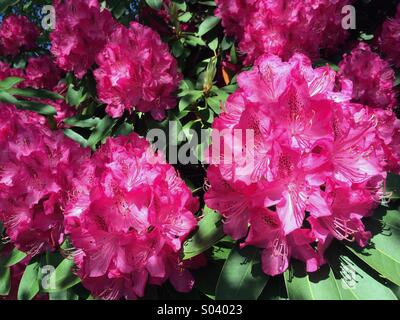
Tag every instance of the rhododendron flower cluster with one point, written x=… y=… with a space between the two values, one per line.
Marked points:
x=42 y=73
x=373 y=78
x=283 y=27
x=36 y=166
x=389 y=39
x=127 y=218
x=315 y=168
x=17 y=33
x=81 y=32
x=136 y=71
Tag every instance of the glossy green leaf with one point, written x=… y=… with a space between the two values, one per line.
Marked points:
x=10 y=82
x=12 y=258
x=320 y=285
x=383 y=252
x=208 y=233
x=357 y=280
x=29 y=285
x=242 y=276
x=38 y=107
x=35 y=93
x=155 y=4
x=207 y=25
x=76 y=137
x=5 y=281
x=64 y=276
x=102 y=129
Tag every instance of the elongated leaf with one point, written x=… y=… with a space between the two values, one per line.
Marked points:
x=29 y=285
x=102 y=129
x=5 y=281
x=41 y=108
x=208 y=24
x=275 y=289
x=7 y=98
x=357 y=279
x=12 y=258
x=63 y=295
x=35 y=93
x=82 y=122
x=64 y=277
x=383 y=253
x=320 y=285
x=155 y=4
x=4 y=4
x=76 y=137
x=10 y=82
x=241 y=276
x=209 y=232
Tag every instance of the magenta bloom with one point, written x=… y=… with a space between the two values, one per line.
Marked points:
x=137 y=72
x=128 y=218
x=81 y=32
x=389 y=39
x=6 y=71
x=373 y=78
x=42 y=73
x=36 y=165
x=17 y=33
x=283 y=27
x=310 y=144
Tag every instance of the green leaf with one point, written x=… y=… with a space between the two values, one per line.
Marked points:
x=320 y=285
x=358 y=280
x=8 y=98
x=29 y=285
x=76 y=137
x=64 y=277
x=82 y=121
x=41 y=108
x=5 y=281
x=4 y=4
x=242 y=277
x=383 y=252
x=155 y=4
x=12 y=258
x=10 y=82
x=207 y=25
x=102 y=129
x=275 y=289
x=63 y=295
x=75 y=97
x=208 y=233
x=35 y=93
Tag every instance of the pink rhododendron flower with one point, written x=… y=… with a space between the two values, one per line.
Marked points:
x=283 y=27
x=36 y=165
x=373 y=78
x=17 y=33
x=81 y=32
x=136 y=71
x=314 y=156
x=389 y=39
x=42 y=73
x=6 y=71
x=128 y=218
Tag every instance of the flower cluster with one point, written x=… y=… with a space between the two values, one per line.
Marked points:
x=127 y=219
x=283 y=27
x=17 y=33
x=42 y=73
x=136 y=71
x=373 y=78
x=314 y=168
x=81 y=32
x=389 y=39
x=36 y=166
